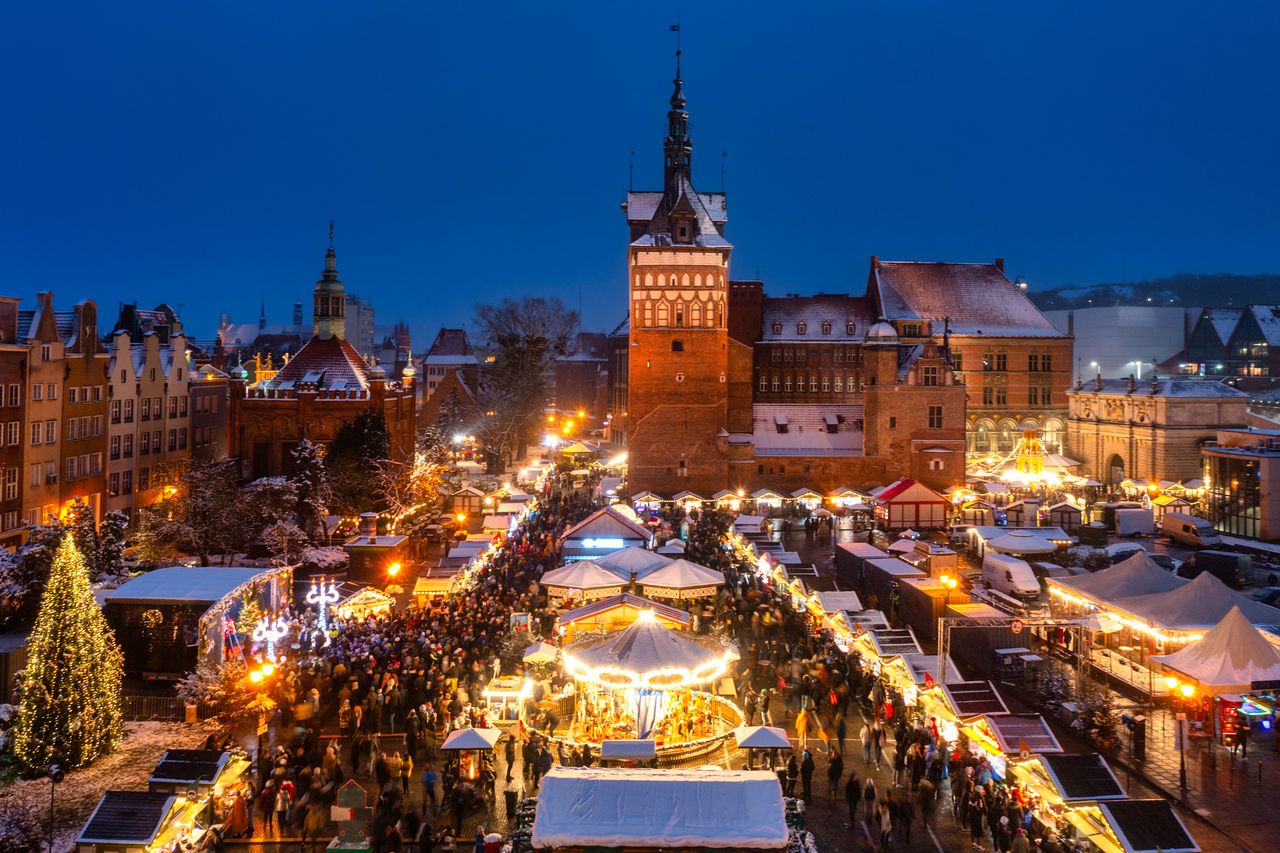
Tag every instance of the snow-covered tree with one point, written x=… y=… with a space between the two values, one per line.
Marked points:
x=205 y=517
x=71 y=711
x=110 y=565
x=227 y=688
x=23 y=573
x=310 y=480
x=285 y=539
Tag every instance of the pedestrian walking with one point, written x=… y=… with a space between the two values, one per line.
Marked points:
x=835 y=769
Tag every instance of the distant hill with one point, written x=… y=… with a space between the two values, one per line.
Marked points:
x=1185 y=289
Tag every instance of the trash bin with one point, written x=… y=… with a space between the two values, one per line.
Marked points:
x=511 y=801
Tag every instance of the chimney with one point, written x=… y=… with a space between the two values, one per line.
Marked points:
x=368 y=524
x=1000 y=264
x=1071 y=323
x=875 y=259
x=1132 y=384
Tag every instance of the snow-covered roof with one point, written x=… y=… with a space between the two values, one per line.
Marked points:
x=834 y=602
x=666 y=808
x=707 y=210
x=1135 y=575
x=1202 y=603
x=633 y=561
x=328 y=363
x=907 y=488
x=1223 y=321
x=584 y=574
x=790 y=311
x=1181 y=388
x=682 y=574
x=1268 y=319
x=607 y=523
x=471 y=739
x=806 y=429
x=978 y=298
x=183 y=585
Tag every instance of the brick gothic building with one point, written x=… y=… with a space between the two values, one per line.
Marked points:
x=327 y=384
x=729 y=389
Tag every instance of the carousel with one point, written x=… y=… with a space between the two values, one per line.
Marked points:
x=650 y=682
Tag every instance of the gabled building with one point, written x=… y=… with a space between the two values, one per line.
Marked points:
x=1206 y=352
x=327 y=384
x=1253 y=349
x=582 y=377
x=449 y=375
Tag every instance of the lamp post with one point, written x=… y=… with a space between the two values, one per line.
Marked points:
x=322 y=596
x=270 y=631
x=55 y=775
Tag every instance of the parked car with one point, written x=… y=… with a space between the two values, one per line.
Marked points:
x=1266 y=595
x=1164 y=561
x=1121 y=551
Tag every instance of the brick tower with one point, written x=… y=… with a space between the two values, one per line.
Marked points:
x=678 y=280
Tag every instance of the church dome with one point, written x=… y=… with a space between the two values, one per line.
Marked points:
x=883 y=333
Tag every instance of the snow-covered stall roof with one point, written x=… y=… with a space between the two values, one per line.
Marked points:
x=761 y=737
x=584 y=574
x=183 y=585
x=715 y=809
x=1231 y=657
x=683 y=574
x=608 y=523
x=471 y=739
x=834 y=602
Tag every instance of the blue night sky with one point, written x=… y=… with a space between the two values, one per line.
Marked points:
x=194 y=153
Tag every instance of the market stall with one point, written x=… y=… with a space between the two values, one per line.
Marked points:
x=767 y=739
x=594 y=808
x=633 y=562
x=364 y=604
x=582 y=579
x=681 y=579
x=616 y=613
x=507 y=696
x=603 y=532
x=472 y=750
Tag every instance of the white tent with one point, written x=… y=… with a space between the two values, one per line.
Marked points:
x=834 y=602
x=583 y=574
x=1200 y=604
x=541 y=652
x=672 y=548
x=1021 y=542
x=602 y=807
x=635 y=561
x=761 y=737
x=471 y=739
x=901 y=546
x=682 y=576
x=1230 y=658
x=1132 y=576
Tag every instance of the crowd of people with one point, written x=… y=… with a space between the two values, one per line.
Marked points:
x=376 y=701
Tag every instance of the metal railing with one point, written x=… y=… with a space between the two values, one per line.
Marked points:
x=142 y=707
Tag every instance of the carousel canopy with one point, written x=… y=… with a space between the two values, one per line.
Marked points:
x=683 y=574
x=632 y=561
x=583 y=807
x=471 y=739
x=1135 y=575
x=1202 y=603
x=628 y=750
x=623 y=600
x=583 y=574
x=1231 y=658
x=647 y=653
x=1021 y=542
x=761 y=737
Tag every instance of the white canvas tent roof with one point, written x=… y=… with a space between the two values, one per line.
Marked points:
x=1021 y=542
x=471 y=739
x=683 y=574
x=711 y=809
x=1202 y=603
x=1230 y=658
x=1135 y=575
x=541 y=652
x=632 y=561
x=583 y=574
x=761 y=737
x=834 y=602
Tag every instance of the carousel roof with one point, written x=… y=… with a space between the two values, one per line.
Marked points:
x=761 y=737
x=633 y=561
x=627 y=600
x=683 y=574
x=1231 y=657
x=1021 y=542
x=583 y=574
x=646 y=646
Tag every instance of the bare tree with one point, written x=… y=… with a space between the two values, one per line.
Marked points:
x=526 y=336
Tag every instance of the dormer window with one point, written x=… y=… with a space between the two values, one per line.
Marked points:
x=826 y=327
x=849 y=327
x=800 y=327
x=777 y=327
x=682 y=232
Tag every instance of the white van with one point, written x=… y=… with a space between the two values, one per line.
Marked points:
x=1011 y=576
x=1189 y=530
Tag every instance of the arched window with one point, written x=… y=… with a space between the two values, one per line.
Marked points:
x=777 y=327
x=674 y=281
x=849 y=327
x=786 y=385
x=764 y=382
x=839 y=384
x=679 y=313
x=826 y=327
x=813 y=382
x=664 y=313
x=695 y=314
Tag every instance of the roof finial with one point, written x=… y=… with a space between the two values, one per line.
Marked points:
x=330 y=233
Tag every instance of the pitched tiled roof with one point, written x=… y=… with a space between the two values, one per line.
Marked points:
x=1223 y=320
x=331 y=364
x=708 y=218
x=977 y=298
x=1268 y=320
x=790 y=311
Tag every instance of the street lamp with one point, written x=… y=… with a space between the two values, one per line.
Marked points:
x=55 y=775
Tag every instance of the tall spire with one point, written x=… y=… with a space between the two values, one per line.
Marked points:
x=330 y=305
x=678 y=146
x=262 y=316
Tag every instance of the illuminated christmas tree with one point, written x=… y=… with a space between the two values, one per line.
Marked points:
x=71 y=712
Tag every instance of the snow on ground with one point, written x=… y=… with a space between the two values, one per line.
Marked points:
x=125 y=770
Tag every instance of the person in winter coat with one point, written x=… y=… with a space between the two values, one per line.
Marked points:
x=806 y=774
x=976 y=811
x=835 y=769
x=793 y=773
x=869 y=800
x=1021 y=844
x=886 y=827
x=853 y=793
